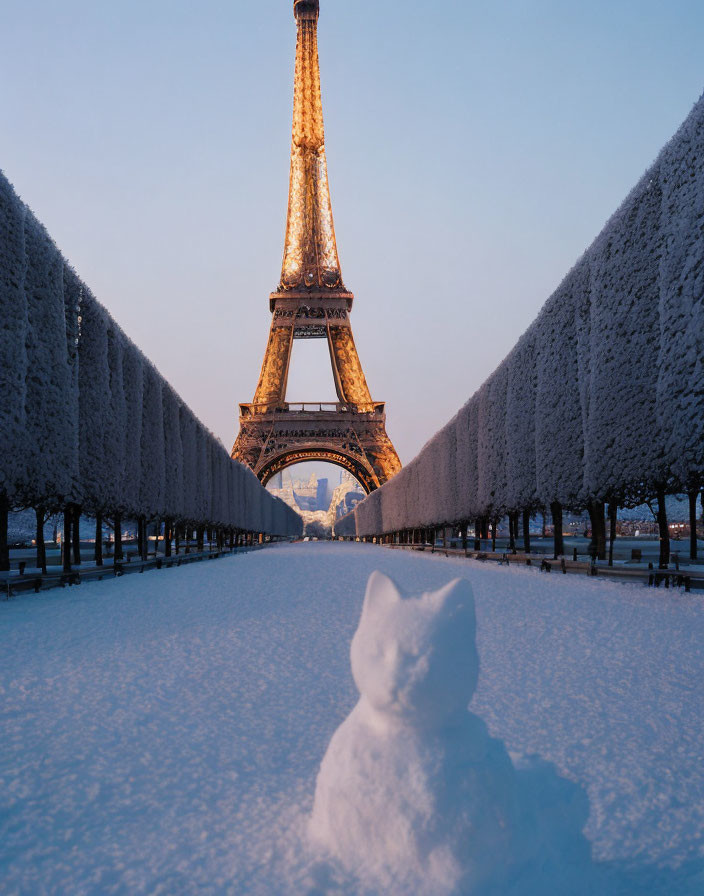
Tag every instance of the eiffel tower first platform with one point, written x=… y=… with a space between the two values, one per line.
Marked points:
x=312 y=303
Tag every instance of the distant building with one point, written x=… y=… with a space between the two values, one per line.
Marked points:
x=312 y=495
x=312 y=499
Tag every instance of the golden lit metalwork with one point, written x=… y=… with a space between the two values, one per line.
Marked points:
x=310 y=252
x=311 y=303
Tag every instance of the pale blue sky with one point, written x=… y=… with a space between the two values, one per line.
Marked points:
x=474 y=149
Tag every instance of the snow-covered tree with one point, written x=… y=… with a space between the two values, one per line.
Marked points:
x=133 y=384
x=203 y=476
x=13 y=340
x=467 y=441
x=50 y=451
x=94 y=408
x=561 y=383
x=114 y=452
x=492 y=444
x=152 y=488
x=188 y=428
x=174 y=492
x=680 y=362
x=521 y=387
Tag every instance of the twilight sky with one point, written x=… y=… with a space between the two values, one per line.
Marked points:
x=474 y=151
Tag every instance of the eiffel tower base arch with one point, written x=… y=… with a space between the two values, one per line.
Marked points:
x=336 y=434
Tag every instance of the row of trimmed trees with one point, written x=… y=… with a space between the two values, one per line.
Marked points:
x=87 y=423
x=601 y=402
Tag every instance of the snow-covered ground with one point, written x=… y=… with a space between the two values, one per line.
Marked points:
x=162 y=733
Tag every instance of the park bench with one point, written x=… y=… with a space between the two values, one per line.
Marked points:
x=11 y=585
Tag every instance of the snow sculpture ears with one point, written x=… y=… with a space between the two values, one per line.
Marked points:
x=414 y=656
x=455 y=610
x=456 y=599
x=382 y=592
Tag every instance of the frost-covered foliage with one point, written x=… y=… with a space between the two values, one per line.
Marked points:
x=13 y=337
x=49 y=445
x=152 y=465
x=86 y=419
x=174 y=504
x=94 y=405
x=603 y=396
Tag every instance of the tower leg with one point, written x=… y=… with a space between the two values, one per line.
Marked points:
x=273 y=379
x=347 y=368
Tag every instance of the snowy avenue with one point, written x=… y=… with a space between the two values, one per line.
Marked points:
x=163 y=733
x=473 y=672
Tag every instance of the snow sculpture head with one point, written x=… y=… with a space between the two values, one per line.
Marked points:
x=415 y=657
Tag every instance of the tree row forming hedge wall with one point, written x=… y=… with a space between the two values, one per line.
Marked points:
x=87 y=423
x=602 y=399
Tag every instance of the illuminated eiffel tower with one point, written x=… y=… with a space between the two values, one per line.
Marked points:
x=312 y=303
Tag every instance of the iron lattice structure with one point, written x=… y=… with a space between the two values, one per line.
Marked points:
x=311 y=302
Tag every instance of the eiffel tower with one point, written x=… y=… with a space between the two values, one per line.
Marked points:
x=312 y=302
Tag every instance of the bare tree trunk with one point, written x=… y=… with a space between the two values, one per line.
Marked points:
x=76 y=540
x=512 y=520
x=168 y=526
x=177 y=537
x=4 y=547
x=118 y=539
x=693 y=495
x=98 y=554
x=596 y=516
x=67 y=538
x=602 y=532
x=613 y=512
x=526 y=531
x=41 y=547
x=664 y=529
x=477 y=535
x=141 y=526
x=199 y=538
x=556 y=511
x=493 y=536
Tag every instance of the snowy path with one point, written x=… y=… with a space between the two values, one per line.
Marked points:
x=162 y=733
